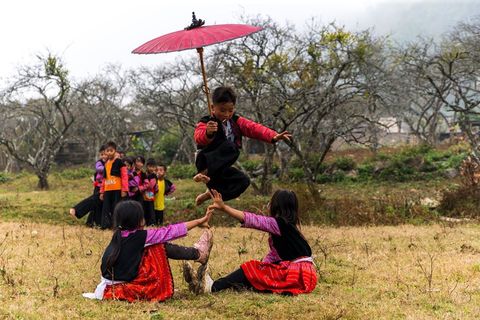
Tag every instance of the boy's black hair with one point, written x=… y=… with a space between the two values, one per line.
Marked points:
x=224 y=95
x=162 y=165
x=140 y=158
x=102 y=148
x=128 y=215
x=284 y=204
x=151 y=162
x=111 y=144
x=128 y=160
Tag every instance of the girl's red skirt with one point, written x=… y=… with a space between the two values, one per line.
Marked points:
x=154 y=280
x=285 y=277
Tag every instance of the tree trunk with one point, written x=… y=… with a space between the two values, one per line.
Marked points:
x=465 y=127
x=266 y=179
x=310 y=177
x=284 y=157
x=42 y=181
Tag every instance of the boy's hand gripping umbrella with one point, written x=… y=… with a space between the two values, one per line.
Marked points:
x=197 y=36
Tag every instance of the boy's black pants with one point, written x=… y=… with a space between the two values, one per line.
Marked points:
x=110 y=200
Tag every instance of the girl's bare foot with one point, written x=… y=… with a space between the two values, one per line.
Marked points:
x=200 y=177
x=202 y=197
x=72 y=212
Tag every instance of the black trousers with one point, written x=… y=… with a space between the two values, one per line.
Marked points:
x=236 y=280
x=158 y=217
x=91 y=205
x=177 y=252
x=110 y=200
x=137 y=197
x=148 y=213
x=227 y=180
x=230 y=183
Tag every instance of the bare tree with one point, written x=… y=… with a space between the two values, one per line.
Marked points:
x=101 y=107
x=251 y=65
x=334 y=91
x=35 y=128
x=171 y=98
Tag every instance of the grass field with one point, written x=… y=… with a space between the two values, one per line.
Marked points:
x=427 y=271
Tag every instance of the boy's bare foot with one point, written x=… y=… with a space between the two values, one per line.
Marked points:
x=201 y=198
x=72 y=212
x=200 y=177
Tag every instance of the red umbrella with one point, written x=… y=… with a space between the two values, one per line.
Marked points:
x=196 y=36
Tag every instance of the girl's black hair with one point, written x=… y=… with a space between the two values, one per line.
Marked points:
x=128 y=215
x=284 y=204
x=141 y=159
x=151 y=162
x=224 y=95
x=102 y=148
x=128 y=160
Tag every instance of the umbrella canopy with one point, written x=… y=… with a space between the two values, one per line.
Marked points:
x=196 y=36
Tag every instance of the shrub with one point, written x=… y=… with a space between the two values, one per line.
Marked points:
x=345 y=163
x=461 y=202
x=251 y=165
x=4 y=177
x=365 y=171
x=182 y=171
x=296 y=174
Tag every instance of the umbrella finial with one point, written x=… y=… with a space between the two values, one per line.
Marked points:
x=195 y=23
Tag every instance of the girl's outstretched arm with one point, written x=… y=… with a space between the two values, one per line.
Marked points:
x=200 y=222
x=220 y=205
x=177 y=230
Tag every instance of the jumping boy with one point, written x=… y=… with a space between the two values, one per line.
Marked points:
x=219 y=138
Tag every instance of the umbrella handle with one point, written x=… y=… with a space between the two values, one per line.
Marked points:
x=204 y=75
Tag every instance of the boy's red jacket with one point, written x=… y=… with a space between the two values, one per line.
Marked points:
x=247 y=127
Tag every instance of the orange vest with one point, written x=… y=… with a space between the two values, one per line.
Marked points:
x=111 y=182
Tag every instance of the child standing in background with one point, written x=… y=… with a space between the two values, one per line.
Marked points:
x=165 y=187
x=114 y=185
x=92 y=204
x=132 y=184
x=149 y=192
x=139 y=176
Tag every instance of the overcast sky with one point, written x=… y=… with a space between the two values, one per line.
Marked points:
x=91 y=33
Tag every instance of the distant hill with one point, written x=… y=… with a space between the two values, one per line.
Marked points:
x=407 y=20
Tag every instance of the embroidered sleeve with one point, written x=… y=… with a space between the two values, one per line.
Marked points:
x=164 y=234
x=99 y=167
x=259 y=222
x=171 y=189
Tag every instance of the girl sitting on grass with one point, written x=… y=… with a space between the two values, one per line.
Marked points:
x=135 y=263
x=288 y=268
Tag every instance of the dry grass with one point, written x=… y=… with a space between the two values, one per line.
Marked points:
x=402 y=272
